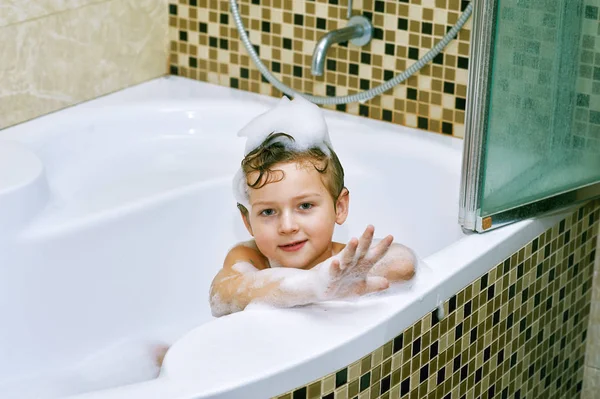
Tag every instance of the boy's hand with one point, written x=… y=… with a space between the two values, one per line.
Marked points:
x=349 y=275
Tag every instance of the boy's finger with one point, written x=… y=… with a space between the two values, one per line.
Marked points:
x=381 y=248
x=335 y=268
x=365 y=240
x=349 y=252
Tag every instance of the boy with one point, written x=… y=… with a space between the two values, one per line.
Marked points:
x=291 y=193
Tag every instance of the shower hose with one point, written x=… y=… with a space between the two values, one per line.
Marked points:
x=358 y=97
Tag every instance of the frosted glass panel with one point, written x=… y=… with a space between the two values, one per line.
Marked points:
x=543 y=133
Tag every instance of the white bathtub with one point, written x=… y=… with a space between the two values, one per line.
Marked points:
x=116 y=214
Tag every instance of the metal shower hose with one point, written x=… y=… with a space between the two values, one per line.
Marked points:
x=358 y=97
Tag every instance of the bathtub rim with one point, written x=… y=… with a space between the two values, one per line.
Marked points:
x=178 y=89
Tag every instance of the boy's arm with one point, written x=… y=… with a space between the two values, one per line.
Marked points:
x=246 y=278
x=398 y=264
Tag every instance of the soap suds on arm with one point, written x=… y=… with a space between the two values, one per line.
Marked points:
x=233 y=289
x=345 y=275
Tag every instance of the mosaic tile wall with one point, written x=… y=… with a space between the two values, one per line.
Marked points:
x=518 y=331
x=587 y=113
x=204 y=45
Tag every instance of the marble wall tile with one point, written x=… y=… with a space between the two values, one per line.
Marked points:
x=15 y=11
x=68 y=57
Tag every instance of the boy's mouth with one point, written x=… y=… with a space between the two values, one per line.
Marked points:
x=293 y=246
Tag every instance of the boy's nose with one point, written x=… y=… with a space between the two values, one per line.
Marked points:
x=287 y=223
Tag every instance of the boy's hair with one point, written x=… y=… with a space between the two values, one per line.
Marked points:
x=273 y=151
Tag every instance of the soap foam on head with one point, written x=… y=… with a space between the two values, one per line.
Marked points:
x=298 y=118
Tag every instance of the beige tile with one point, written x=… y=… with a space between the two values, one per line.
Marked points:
x=53 y=62
x=459 y=131
x=15 y=11
x=591 y=383
x=328 y=384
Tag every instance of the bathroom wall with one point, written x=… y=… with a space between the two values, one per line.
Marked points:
x=56 y=53
x=518 y=331
x=204 y=45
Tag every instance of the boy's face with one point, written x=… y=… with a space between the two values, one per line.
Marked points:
x=292 y=220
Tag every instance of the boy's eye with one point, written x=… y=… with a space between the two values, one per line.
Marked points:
x=306 y=205
x=267 y=212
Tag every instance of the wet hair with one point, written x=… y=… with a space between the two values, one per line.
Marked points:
x=273 y=151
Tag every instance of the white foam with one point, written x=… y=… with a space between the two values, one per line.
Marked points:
x=244 y=267
x=296 y=287
x=127 y=362
x=310 y=285
x=299 y=118
x=240 y=189
x=218 y=307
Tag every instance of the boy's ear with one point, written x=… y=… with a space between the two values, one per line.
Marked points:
x=244 y=214
x=341 y=206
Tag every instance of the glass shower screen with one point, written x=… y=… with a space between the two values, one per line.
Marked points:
x=532 y=141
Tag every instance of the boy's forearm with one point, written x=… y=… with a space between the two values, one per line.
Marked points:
x=279 y=287
x=397 y=265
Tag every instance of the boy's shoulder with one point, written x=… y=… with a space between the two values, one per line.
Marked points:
x=246 y=251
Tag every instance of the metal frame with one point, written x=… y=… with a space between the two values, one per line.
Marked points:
x=557 y=202
x=484 y=17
